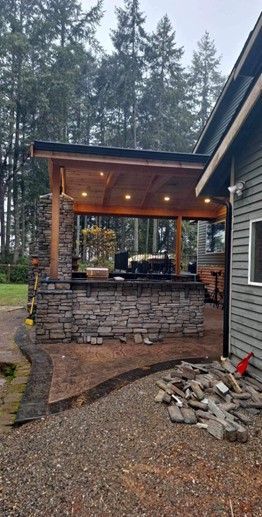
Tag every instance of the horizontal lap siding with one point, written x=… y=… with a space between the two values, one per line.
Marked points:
x=203 y=258
x=246 y=300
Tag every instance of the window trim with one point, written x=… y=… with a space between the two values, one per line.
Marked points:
x=214 y=252
x=252 y=221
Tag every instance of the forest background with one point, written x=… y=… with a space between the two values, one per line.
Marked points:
x=57 y=83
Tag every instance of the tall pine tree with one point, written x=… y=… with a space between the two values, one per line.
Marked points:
x=205 y=81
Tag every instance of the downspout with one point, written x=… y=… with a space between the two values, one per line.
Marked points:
x=227 y=277
x=227 y=280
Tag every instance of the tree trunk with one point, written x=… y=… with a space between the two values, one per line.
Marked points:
x=136 y=235
x=8 y=219
x=155 y=236
x=2 y=216
x=77 y=248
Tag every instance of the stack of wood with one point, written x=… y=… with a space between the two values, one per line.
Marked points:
x=213 y=396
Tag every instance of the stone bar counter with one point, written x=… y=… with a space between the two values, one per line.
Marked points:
x=76 y=310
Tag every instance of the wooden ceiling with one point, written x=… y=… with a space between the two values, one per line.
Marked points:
x=131 y=187
x=134 y=189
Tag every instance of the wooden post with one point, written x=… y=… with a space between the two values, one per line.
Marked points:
x=56 y=182
x=178 y=244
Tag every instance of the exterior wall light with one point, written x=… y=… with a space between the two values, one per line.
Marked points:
x=237 y=188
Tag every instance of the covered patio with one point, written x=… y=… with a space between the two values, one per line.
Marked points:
x=97 y=181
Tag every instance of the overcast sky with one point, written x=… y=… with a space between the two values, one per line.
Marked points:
x=228 y=21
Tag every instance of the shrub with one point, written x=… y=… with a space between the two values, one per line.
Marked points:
x=19 y=274
x=2 y=278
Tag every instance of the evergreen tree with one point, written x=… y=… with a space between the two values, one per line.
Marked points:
x=205 y=81
x=129 y=41
x=163 y=109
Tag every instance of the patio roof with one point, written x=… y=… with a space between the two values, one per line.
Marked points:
x=127 y=182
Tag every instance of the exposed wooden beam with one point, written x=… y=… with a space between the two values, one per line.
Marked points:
x=63 y=179
x=50 y=165
x=131 y=211
x=160 y=182
x=230 y=135
x=56 y=182
x=110 y=183
x=150 y=182
x=178 y=244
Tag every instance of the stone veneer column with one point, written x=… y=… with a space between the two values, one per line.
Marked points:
x=54 y=299
x=66 y=235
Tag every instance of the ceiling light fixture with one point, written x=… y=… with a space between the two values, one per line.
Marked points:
x=84 y=194
x=166 y=198
x=207 y=200
x=127 y=196
x=101 y=174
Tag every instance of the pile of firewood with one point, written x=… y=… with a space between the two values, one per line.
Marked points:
x=213 y=396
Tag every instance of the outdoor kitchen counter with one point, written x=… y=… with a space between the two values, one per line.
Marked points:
x=84 y=308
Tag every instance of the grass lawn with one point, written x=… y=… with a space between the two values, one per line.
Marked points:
x=13 y=294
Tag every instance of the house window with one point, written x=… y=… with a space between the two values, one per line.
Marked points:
x=215 y=237
x=255 y=252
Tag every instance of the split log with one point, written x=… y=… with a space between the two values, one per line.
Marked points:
x=197 y=390
x=254 y=394
x=242 y=417
x=227 y=365
x=187 y=373
x=215 y=409
x=175 y=414
x=159 y=396
x=176 y=390
x=216 y=429
x=234 y=383
x=243 y=395
x=163 y=386
x=198 y=405
x=189 y=416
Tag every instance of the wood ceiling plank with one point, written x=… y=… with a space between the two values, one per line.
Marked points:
x=110 y=183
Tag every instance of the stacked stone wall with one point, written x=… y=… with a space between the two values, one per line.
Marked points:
x=124 y=310
x=102 y=309
x=54 y=313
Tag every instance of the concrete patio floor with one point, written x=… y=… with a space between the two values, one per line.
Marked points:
x=80 y=368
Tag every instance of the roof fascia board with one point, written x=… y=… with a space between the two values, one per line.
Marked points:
x=243 y=56
x=112 y=159
x=230 y=135
x=233 y=74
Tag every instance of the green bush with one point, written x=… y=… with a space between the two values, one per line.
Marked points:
x=19 y=274
x=3 y=278
x=14 y=274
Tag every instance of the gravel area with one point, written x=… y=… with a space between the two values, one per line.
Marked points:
x=122 y=456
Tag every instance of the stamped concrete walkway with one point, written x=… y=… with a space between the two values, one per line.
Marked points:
x=78 y=369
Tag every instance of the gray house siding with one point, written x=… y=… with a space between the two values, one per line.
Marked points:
x=246 y=300
x=203 y=258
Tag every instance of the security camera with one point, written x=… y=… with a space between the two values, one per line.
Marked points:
x=237 y=188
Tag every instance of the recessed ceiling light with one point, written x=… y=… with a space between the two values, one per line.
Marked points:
x=207 y=200
x=101 y=174
x=166 y=198
x=127 y=196
x=84 y=194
